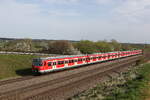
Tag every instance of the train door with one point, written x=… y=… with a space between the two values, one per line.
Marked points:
x=54 y=64
x=76 y=61
x=49 y=65
x=66 y=62
x=117 y=55
x=80 y=61
x=102 y=57
x=110 y=56
x=71 y=62
x=88 y=59
x=99 y=57
x=94 y=58
x=106 y=55
x=114 y=55
x=84 y=60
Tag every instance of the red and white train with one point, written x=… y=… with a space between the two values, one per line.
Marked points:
x=48 y=64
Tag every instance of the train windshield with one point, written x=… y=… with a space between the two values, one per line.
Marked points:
x=37 y=62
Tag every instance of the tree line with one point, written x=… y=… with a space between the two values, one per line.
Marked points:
x=66 y=47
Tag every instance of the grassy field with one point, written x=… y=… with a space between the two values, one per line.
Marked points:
x=133 y=85
x=134 y=89
x=15 y=65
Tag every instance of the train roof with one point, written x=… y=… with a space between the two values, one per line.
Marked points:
x=71 y=56
x=61 y=57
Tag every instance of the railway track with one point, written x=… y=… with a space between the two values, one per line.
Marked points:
x=58 y=92
x=33 y=91
x=9 y=81
x=13 y=80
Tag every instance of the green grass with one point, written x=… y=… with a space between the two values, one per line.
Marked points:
x=133 y=89
x=15 y=65
x=131 y=85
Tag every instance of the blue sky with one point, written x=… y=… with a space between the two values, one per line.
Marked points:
x=123 y=20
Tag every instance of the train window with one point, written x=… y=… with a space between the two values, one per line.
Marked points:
x=79 y=59
x=94 y=57
x=75 y=60
x=44 y=63
x=60 y=62
x=54 y=63
x=49 y=63
x=66 y=62
x=70 y=61
x=87 y=58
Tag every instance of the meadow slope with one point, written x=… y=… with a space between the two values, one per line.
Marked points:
x=15 y=65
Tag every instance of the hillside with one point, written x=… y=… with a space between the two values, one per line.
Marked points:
x=15 y=65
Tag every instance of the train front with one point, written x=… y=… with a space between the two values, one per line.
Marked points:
x=37 y=65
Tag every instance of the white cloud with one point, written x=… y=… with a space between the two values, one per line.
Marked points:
x=26 y=20
x=61 y=1
x=134 y=10
x=30 y=20
x=104 y=1
x=16 y=17
x=12 y=8
x=63 y=13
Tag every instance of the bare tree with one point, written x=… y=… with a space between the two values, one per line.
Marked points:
x=62 y=47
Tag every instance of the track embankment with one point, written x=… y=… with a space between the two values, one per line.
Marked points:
x=63 y=85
